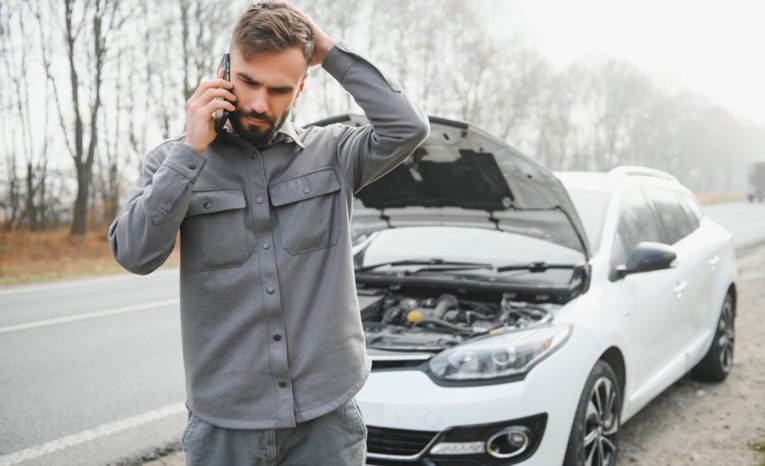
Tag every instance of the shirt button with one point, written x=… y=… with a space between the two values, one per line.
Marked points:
x=277 y=337
x=270 y=290
x=306 y=190
x=207 y=205
x=283 y=384
x=266 y=245
x=192 y=166
x=259 y=200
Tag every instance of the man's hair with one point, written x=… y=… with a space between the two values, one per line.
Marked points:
x=272 y=26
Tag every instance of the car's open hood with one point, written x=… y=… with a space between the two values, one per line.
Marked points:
x=465 y=174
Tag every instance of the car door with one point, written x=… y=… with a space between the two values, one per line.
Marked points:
x=648 y=300
x=710 y=249
x=693 y=281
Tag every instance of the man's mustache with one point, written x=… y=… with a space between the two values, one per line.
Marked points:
x=257 y=115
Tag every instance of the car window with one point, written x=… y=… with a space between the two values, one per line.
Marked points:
x=693 y=206
x=591 y=207
x=676 y=222
x=637 y=223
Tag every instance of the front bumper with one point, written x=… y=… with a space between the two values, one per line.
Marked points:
x=408 y=414
x=450 y=447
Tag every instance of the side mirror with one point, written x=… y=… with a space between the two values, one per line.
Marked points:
x=646 y=257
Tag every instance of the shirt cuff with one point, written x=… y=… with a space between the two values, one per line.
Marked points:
x=185 y=161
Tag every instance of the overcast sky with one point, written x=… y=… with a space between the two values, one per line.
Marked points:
x=712 y=47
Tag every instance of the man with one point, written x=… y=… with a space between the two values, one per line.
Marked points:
x=272 y=340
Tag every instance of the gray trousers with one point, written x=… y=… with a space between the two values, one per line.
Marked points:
x=336 y=439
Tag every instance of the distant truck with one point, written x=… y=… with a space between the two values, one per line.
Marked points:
x=756 y=182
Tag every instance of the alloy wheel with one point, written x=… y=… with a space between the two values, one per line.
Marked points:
x=601 y=424
x=726 y=336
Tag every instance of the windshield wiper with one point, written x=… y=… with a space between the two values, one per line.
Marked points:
x=532 y=267
x=535 y=267
x=439 y=265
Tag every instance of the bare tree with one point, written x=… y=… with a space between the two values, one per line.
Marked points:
x=10 y=199
x=30 y=140
x=205 y=29
x=552 y=118
x=99 y=19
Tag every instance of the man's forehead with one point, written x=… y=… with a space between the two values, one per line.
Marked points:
x=283 y=68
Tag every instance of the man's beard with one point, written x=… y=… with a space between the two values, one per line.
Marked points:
x=252 y=133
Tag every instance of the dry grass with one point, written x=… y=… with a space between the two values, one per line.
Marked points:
x=47 y=255
x=714 y=197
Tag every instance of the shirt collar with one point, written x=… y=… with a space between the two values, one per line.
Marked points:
x=287 y=132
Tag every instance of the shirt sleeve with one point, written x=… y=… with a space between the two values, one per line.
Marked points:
x=143 y=234
x=396 y=127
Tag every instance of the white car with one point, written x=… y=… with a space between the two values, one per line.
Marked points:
x=509 y=325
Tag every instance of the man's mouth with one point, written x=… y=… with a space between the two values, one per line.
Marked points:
x=257 y=121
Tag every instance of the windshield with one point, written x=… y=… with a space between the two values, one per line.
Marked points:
x=459 y=244
x=591 y=207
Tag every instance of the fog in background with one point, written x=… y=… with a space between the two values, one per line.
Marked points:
x=88 y=86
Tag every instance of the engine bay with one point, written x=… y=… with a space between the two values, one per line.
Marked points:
x=399 y=321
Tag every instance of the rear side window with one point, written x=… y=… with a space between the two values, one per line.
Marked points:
x=675 y=220
x=693 y=206
x=637 y=223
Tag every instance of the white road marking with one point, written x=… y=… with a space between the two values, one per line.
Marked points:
x=90 y=315
x=91 y=434
x=83 y=282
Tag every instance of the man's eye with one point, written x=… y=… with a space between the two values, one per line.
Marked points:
x=280 y=91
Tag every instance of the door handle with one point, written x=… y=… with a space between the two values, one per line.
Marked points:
x=713 y=263
x=680 y=287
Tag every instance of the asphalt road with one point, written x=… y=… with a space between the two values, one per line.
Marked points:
x=91 y=370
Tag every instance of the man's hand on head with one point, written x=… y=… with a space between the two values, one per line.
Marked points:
x=209 y=97
x=322 y=42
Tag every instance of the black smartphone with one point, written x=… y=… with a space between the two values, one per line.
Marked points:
x=222 y=115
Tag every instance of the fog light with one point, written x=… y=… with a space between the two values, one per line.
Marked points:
x=508 y=442
x=457 y=448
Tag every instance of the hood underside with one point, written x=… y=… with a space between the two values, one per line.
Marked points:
x=462 y=172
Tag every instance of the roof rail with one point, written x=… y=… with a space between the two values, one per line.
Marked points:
x=633 y=170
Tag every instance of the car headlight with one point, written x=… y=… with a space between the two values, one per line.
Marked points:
x=503 y=355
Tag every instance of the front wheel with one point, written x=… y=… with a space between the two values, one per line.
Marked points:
x=594 y=438
x=718 y=361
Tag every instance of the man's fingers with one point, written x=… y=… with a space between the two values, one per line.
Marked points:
x=216 y=104
x=205 y=85
x=215 y=92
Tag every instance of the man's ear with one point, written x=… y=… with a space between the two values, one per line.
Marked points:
x=301 y=85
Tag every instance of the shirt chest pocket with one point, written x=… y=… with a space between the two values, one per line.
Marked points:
x=213 y=234
x=307 y=211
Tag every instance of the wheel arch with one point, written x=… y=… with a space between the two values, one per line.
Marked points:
x=733 y=292
x=614 y=358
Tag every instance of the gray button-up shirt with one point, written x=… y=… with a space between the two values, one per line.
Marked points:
x=270 y=322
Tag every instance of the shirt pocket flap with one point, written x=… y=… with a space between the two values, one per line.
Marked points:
x=207 y=202
x=304 y=187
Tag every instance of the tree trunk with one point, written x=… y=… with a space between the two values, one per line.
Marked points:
x=80 y=210
x=30 y=208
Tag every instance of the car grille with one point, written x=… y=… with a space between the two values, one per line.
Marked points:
x=395 y=364
x=398 y=442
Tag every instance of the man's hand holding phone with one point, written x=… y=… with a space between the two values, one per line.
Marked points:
x=210 y=97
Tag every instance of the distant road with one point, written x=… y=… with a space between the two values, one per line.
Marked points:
x=91 y=370
x=744 y=220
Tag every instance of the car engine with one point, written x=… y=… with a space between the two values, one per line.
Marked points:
x=398 y=322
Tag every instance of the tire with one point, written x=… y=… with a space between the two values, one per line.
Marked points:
x=717 y=363
x=594 y=438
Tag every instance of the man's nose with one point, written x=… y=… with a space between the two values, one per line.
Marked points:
x=259 y=101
